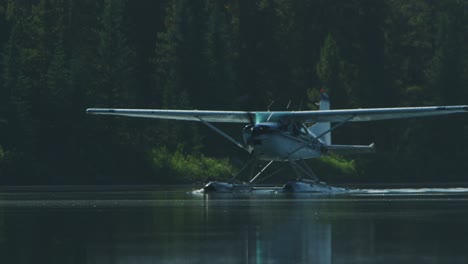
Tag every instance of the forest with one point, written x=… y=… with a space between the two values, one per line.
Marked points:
x=59 y=57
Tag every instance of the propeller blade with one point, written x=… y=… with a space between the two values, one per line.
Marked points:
x=251 y=117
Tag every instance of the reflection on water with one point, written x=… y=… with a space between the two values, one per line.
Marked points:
x=414 y=191
x=364 y=226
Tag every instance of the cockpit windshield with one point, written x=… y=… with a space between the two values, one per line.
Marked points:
x=292 y=127
x=296 y=129
x=303 y=130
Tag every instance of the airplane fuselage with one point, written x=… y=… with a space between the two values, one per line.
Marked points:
x=282 y=142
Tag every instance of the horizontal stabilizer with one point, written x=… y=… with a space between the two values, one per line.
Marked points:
x=351 y=149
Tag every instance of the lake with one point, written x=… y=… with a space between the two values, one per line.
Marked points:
x=174 y=225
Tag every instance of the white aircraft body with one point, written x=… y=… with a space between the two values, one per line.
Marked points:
x=284 y=135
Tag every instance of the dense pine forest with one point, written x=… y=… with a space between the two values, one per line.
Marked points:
x=59 y=57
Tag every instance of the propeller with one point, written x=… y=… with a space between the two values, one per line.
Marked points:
x=251 y=117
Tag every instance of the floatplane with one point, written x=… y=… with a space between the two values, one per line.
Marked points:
x=284 y=136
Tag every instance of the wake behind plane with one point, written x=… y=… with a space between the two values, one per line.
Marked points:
x=284 y=136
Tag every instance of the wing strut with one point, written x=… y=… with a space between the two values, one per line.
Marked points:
x=260 y=172
x=219 y=131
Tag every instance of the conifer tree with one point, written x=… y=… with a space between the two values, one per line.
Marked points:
x=447 y=80
x=17 y=73
x=330 y=72
x=114 y=58
x=174 y=73
x=220 y=75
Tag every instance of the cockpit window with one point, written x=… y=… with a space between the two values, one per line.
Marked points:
x=296 y=128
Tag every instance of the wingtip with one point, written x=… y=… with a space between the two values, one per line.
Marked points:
x=93 y=111
x=372 y=148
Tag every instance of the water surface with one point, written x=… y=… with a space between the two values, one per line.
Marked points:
x=131 y=225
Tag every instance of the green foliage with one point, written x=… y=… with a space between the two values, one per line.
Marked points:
x=169 y=67
x=3 y=227
x=114 y=58
x=219 y=58
x=189 y=168
x=339 y=166
x=329 y=63
x=330 y=71
x=2 y=153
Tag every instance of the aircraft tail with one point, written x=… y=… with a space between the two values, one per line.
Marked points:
x=321 y=127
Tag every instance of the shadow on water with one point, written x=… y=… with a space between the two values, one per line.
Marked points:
x=173 y=226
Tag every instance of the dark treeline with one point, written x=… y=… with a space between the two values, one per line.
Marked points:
x=59 y=57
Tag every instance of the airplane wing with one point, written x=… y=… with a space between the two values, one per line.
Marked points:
x=189 y=115
x=373 y=114
x=341 y=115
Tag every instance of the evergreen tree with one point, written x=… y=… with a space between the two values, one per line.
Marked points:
x=330 y=72
x=3 y=94
x=448 y=82
x=292 y=37
x=373 y=89
x=408 y=48
x=220 y=75
x=114 y=58
x=21 y=81
x=174 y=73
